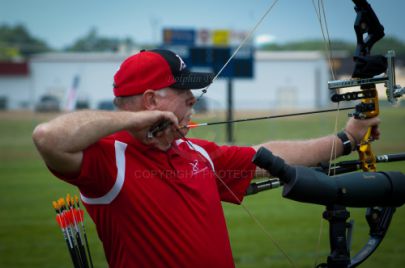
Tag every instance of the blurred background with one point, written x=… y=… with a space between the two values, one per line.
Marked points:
x=57 y=55
x=60 y=56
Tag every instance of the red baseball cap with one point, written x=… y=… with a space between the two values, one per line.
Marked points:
x=156 y=69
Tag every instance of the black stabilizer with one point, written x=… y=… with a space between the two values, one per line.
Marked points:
x=273 y=164
x=364 y=189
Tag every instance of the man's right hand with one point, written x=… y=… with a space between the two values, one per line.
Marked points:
x=156 y=128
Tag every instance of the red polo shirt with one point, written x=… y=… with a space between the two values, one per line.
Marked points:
x=162 y=209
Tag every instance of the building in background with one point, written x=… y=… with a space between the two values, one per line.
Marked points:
x=282 y=80
x=89 y=75
x=15 y=85
x=290 y=80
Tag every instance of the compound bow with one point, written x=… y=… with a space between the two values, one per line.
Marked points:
x=368 y=31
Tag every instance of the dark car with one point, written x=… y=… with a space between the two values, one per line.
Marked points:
x=48 y=103
x=106 y=105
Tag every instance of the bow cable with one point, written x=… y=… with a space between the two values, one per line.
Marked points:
x=247 y=37
x=321 y=15
x=257 y=222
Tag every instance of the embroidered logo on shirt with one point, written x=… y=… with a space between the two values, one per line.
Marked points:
x=195 y=168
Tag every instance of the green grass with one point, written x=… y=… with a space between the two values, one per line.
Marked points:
x=29 y=236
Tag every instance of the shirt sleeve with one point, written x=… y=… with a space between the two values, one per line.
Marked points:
x=98 y=170
x=234 y=166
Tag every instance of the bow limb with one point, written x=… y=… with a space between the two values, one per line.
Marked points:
x=378 y=218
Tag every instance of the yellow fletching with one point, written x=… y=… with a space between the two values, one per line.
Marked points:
x=55 y=205
x=61 y=202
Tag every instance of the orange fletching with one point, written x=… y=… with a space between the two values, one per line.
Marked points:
x=192 y=124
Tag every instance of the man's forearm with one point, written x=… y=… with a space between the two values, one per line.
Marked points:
x=61 y=141
x=75 y=131
x=306 y=153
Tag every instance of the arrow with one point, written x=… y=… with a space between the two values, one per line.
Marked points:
x=194 y=125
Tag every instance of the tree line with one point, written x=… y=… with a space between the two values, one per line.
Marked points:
x=388 y=42
x=17 y=42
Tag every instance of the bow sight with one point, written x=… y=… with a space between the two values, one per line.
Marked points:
x=393 y=90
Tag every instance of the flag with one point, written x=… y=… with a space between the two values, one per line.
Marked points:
x=71 y=96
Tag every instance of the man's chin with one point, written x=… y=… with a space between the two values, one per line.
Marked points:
x=183 y=132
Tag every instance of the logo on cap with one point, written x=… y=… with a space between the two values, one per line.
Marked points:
x=182 y=64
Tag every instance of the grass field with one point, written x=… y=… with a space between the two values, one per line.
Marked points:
x=29 y=236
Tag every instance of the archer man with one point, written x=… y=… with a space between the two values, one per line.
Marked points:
x=154 y=195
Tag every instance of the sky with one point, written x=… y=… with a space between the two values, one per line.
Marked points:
x=61 y=22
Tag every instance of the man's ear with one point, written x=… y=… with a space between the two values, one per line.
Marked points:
x=149 y=99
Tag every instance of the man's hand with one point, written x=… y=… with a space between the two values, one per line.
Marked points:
x=156 y=128
x=357 y=129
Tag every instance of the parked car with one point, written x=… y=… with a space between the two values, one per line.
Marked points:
x=48 y=103
x=106 y=105
x=82 y=104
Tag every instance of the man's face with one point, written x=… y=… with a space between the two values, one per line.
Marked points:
x=178 y=101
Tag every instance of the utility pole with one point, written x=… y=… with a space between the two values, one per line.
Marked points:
x=229 y=114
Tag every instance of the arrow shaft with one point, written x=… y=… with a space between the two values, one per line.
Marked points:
x=266 y=117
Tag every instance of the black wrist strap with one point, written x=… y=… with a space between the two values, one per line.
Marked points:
x=347 y=144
